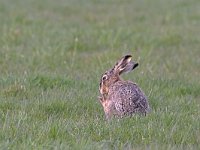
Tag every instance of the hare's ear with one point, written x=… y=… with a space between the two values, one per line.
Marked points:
x=125 y=65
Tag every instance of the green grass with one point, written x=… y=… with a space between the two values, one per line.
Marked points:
x=52 y=54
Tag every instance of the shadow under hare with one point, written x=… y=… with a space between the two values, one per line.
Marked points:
x=121 y=98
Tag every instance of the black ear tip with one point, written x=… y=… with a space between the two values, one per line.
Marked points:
x=127 y=56
x=135 y=65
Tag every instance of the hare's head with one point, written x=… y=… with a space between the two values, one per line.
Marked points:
x=111 y=76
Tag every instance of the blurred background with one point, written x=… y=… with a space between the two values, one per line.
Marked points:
x=65 y=36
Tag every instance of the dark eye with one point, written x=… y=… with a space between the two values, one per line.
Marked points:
x=104 y=77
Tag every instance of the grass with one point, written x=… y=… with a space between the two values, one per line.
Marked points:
x=52 y=54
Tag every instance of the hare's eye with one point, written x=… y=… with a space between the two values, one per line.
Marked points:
x=104 y=77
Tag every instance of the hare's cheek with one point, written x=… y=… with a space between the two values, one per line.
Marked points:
x=103 y=90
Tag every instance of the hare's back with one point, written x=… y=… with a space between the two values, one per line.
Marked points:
x=128 y=98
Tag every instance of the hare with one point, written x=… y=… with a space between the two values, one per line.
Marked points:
x=121 y=98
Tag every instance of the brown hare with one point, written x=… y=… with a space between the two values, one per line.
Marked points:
x=121 y=98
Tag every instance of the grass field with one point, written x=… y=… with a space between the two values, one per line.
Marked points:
x=52 y=54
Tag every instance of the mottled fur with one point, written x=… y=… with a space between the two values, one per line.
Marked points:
x=121 y=98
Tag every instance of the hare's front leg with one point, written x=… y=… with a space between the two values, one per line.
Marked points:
x=106 y=106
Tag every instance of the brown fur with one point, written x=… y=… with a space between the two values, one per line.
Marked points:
x=118 y=97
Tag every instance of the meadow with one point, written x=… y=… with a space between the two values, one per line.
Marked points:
x=52 y=54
